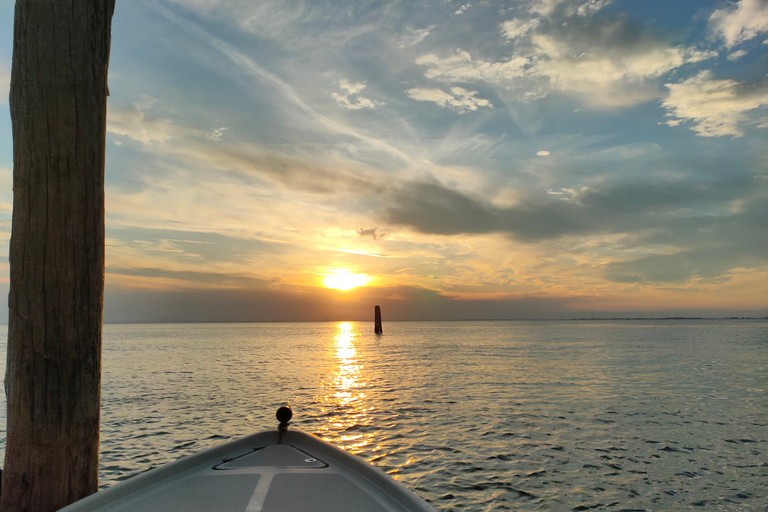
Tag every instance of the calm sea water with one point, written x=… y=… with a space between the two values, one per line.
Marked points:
x=644 y=415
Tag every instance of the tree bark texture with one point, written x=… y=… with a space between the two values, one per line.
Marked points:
x=58 y=114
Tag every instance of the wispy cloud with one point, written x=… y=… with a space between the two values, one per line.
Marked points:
x=198 y=151
x=133 y=122
x=414 y=36
x=250 y=67
x=298 y=26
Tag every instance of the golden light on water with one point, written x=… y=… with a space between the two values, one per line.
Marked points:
x=343 y=279
x=345 y=379
x=346 y=401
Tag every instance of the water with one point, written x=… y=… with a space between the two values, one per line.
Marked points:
x=644 y=415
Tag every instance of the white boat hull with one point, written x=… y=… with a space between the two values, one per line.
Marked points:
x=260 y=474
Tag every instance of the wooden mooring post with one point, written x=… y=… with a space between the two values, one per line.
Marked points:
x=377 y=328
x=58 y=107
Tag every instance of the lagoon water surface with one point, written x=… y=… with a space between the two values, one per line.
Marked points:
x=588 y=415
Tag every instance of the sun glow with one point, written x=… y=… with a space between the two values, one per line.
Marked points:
x=343 y=279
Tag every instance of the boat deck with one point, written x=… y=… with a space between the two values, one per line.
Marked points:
x=260 y=473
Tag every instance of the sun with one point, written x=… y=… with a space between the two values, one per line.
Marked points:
x=343 y=279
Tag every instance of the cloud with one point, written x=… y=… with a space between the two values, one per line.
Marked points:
x=516 y=27
x=567 y=7
x=373 y=233
x=296 y=25
x=737 y=54
x=132 y=122
x=313 y=174
x=703 y=248
x=214 y=161
x=460 y=67
x=435 y=209
x=660 y=231
x=190 y=279
x=217 y=133
x=356 y=104
x=195 y=246
x=716 y=107
x=740 y=22
x=351 y=89
x=611 y=207
x=414 y=36
x=610 y=62
x=679 y=267
x=459 y=99
x=606 y=61
x=251 y=68
x=542 y=153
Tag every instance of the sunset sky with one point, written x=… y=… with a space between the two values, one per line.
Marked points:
x=467 y=160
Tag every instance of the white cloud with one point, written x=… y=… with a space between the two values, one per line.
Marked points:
x=460 y=67
x=568 y=7
x=344 y=99
x=351 y=88
x=737 y=54
x=543 y=153
x=356 y=104
x=606 y=62
x=608 y=75
x=740 y=22
x=567 y=65
x=517 y=27
x=716 y=107
x=591 y=6
x=459 y=99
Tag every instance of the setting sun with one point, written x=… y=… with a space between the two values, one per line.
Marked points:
x=343 y=279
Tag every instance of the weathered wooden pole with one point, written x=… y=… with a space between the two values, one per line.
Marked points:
x=58 y=114
x=377 y=327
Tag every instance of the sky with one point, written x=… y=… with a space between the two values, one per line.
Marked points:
x=443 y=159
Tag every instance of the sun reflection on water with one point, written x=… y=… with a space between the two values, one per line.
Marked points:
x=345 y=405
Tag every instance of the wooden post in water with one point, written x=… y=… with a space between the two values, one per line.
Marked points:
x=377 y=328
x=58 y=104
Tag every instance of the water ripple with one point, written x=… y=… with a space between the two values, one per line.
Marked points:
x=479 y=416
